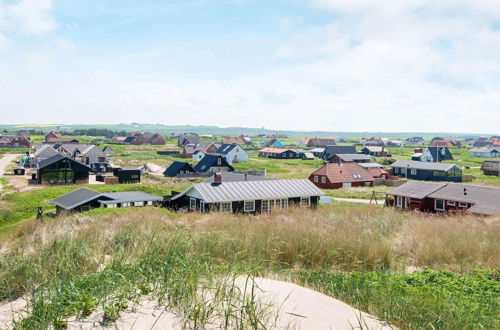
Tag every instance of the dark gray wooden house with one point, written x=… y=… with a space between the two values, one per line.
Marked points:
x=85 y=199
x=60 y=169
x=245 y=196
x=427 y=171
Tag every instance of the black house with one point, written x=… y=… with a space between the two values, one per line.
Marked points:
x=178 y=167
x=85 y=199
x=337 y=150
x=127 y=175
x=60 y=169
x=213 y=163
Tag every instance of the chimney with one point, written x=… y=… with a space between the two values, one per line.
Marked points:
x=246 y=179
x=218 y=178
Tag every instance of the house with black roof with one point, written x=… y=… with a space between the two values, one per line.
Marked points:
x=60 y=169
x=177 y=168
x=233 y=153
x=213 y=163
x=436 y=154
x=337 y=150
x=84 y=199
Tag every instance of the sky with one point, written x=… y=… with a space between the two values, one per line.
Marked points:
x=331 y=65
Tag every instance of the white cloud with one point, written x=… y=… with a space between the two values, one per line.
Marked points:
x=412 y=65
x=27 y=16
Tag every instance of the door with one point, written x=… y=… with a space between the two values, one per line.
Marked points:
x=346 y=185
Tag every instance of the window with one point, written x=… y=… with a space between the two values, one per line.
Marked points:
x=305 y=201
x=265 y=206
x=396 y=170
x=462 y=204
x=323 y=179
x=413 y=171
x=439 y=205
x=192 y=204
x=316 y=178
x=249 y=206
x=225 y=207
x=284 y=155
x=451 y=203
x=219 y=161
x=399 y=201
x=290 y=155
x=202 y=206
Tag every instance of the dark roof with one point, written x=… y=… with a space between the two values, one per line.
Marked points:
x=176 y=167
x=440 y=153
x=485 y=199
x=84 y=195
x=336 y=150
x=418 y=190
x=226 y=148
x=57 y=158
x=236 y=177
x=75 y=198
x=210 y=160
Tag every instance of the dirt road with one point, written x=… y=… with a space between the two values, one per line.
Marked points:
x=5 y=160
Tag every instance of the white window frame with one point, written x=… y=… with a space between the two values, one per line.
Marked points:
x=323 y=179
x=202 y=206
x=399 y=201
x=221 y=207
x=219 y=161
x=396 y=170
x=191 y=201
x=290 y=155
x=251 y=205
x=464 y=205
x=264 y=206
x=305 y=201
x=451 y=203
x=413 y=171
x=316 y=180
x=435 y=205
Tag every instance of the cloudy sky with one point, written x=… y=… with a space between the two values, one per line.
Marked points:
x=337 y=65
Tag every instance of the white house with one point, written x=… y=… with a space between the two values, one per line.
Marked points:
x=233 y=153
x=398 y=143
x=198 y=155
x=485 y=152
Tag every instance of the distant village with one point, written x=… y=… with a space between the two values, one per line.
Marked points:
x=431 y=181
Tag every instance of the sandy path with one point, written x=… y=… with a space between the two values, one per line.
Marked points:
x=292 y=307
x=4 y=162
x=355 y=200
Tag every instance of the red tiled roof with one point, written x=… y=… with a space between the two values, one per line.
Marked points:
x=345 y=172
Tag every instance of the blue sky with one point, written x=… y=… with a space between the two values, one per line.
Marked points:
x=340 y=65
